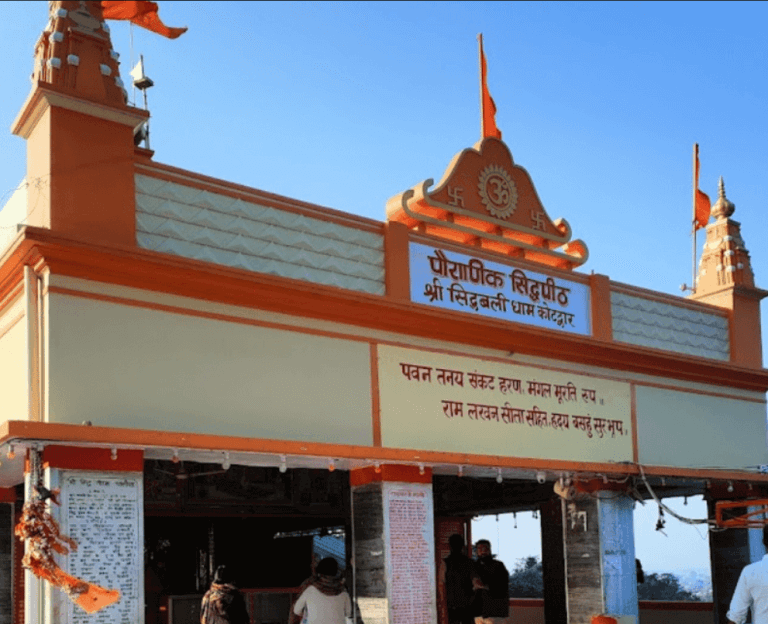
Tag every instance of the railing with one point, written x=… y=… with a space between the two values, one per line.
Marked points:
x=531 y=611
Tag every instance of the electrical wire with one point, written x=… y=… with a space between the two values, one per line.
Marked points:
x=672 y=512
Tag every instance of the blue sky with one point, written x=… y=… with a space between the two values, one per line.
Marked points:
x=347 y=104
x=678 y=548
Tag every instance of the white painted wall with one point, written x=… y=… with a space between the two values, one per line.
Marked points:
x=126 y=366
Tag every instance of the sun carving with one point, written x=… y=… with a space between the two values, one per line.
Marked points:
x=497 y=191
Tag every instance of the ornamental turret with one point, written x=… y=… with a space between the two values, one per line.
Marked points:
x=74 y=54
x=725 y=259
x=79 y=131
x=725 y=278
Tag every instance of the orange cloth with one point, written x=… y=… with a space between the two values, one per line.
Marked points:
x=142 y=13
x=703 y=206
x=96 y=598
x=42 y=536
x=488 y=106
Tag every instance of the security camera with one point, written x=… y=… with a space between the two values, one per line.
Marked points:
x=541 y=477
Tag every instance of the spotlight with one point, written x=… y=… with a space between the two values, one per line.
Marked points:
x=730 y=486
x=283 y=464
x=113 y=454
x=11 y=452
x=175 y=458
x=331 y=466
x=376 y=467
x=461 y=471
x=421 y=469
x=541 y=477
x=499 y=478
x=226 y=463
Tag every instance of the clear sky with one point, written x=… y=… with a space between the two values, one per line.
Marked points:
x=345 y=104
x=678 y=548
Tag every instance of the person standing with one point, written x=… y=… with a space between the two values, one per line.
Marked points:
x=455 y=583
x=491 y=583
x=751 y=591
x=325 y=600
x=224 y=603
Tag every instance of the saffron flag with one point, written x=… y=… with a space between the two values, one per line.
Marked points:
x=702 y=206
x=487 y=105
x=142 y=13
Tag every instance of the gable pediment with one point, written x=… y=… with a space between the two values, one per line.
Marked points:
x=484 y=199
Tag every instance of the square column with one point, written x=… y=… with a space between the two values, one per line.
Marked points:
x=102 y=509
x=393 y=545
x=600 y=572
x=7 y=499
x=729 y=552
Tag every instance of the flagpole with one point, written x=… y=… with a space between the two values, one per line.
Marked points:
x=693 y=217
x=133 y=96
x=480 y=74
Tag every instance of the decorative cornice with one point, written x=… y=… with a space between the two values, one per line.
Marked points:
x=94 y=436
x=201 y=280
x=45 y=96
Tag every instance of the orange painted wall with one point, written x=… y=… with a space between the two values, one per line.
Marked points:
x=80 y=172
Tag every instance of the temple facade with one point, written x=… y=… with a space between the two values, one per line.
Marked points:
x=207 y=373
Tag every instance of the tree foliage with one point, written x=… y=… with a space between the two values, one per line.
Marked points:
x=526 y=580
x=663 y=587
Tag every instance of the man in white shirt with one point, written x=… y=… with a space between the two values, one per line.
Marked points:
x=751 y=591
x=324 y=601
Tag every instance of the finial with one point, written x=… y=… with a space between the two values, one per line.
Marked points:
x=723 y=208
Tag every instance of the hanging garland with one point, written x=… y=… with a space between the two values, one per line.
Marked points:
x=44 y=538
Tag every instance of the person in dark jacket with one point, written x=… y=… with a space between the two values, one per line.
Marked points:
x=491 y=584
x=223 y=603
x=455 y=583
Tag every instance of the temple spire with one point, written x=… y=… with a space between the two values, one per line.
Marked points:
x=74 y=54
x=725 y=279
x=725 y=259
x=80 y=131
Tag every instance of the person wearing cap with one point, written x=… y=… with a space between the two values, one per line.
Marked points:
x=223 y=603
x=491 y=583
x=325 y=600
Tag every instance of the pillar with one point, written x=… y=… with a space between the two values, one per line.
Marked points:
x=617 y=554
x=755 y=539
x=393 y=545
x=7 y=500
x=553 y=562
x=599 y=553
x=729 y=552
x=101 y=508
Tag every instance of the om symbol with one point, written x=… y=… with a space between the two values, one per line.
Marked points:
x=497 y=191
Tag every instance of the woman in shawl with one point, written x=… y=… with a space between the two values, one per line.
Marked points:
x=324 y=599
x=223 y=603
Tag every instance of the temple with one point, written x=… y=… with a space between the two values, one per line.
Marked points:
x=204 y=373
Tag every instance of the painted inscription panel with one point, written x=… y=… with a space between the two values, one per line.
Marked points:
x=434 y=401
x=459 y=282
x=103 y=513
x=410 y=542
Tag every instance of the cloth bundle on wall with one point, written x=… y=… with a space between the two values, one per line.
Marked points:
x=44 y=538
